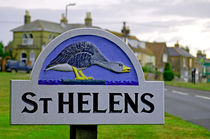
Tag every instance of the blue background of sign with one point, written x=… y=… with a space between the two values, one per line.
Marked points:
x=110 y=50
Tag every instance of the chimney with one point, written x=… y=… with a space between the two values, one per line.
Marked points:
x=125 y=30
x=204 y=54
x=63 y=19
x=27 y=17
x=88 y=20
x=176 y=44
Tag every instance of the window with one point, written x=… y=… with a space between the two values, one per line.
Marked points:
x=165 y=58
x=190 y=62
x=43 y=46
x=184 y=62
x=32 y=58
x=136 y=54
x=27 y=39
x=150 y=59
x=23 y=57
x=51 y=37
x=24 y=39
x=22 y=64
x=30 y=39
x=142 y=44
x=136 y=43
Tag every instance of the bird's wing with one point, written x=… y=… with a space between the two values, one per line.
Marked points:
x=62 y=57
x=80 y=60
x=67 y=55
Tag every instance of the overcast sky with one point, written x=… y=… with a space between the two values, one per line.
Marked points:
x=187 y=21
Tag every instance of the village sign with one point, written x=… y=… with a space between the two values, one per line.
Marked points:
x=87 y=76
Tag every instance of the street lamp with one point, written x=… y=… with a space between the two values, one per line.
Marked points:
x=70 y=4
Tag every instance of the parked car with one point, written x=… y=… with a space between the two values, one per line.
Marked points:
x=15 y=66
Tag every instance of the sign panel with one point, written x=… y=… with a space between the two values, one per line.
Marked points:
x=87 y=76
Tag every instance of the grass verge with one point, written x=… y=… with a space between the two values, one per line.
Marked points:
x=198 y=86
x=174 y=127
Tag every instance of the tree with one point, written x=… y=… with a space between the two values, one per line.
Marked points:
x=2 y=53
x=4 y=56
x=1 y=49
x=186 y=48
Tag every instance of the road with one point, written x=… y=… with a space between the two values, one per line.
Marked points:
x=191 y=105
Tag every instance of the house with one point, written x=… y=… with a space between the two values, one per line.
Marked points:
x=206 y=70
x=160 y=51
x=182 y=61
x=143 y=54
x=32 y=37
x=203 y=66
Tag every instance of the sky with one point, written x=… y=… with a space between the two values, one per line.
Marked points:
x=185 y=21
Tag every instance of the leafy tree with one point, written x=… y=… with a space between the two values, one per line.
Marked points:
x=187 y=49
x=1 y=49
x=2 y=53
x=6 y=54
x=148 y=68
x=10 y=49
x=10 y=43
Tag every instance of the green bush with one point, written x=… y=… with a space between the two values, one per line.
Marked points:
x=177 y=75
x=168 y=75
x=167 y=67
x=145 y=69
x=148 y=68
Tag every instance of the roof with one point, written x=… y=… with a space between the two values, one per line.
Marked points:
x=176 y=51
x=142 y=50
x=133 y=41
x=172 y=52
x=41 y=25
x=135 y=44
x=207 y=60
x=122 y=35
x=75 y=25
x=157 y=48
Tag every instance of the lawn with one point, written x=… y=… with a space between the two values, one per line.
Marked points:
x=198 y=86
x=174 y=127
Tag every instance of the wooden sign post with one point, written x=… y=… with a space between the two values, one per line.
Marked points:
x=83 y=132
x=85 y=78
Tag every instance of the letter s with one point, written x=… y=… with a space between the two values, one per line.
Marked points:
x=30 y=102
x=148 y=103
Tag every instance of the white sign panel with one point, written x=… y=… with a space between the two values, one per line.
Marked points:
x=87 y=76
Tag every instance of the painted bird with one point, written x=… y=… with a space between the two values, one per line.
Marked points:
x=81 y=55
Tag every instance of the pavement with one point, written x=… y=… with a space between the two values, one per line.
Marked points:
x=189 y=104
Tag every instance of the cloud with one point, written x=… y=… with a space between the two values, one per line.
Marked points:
x=206 y=27
x=150 y=20
x=192 y=8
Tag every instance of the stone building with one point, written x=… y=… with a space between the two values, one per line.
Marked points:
x=32 y=37
x=182 y=61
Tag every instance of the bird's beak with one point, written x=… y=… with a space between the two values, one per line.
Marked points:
x=126 y=69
